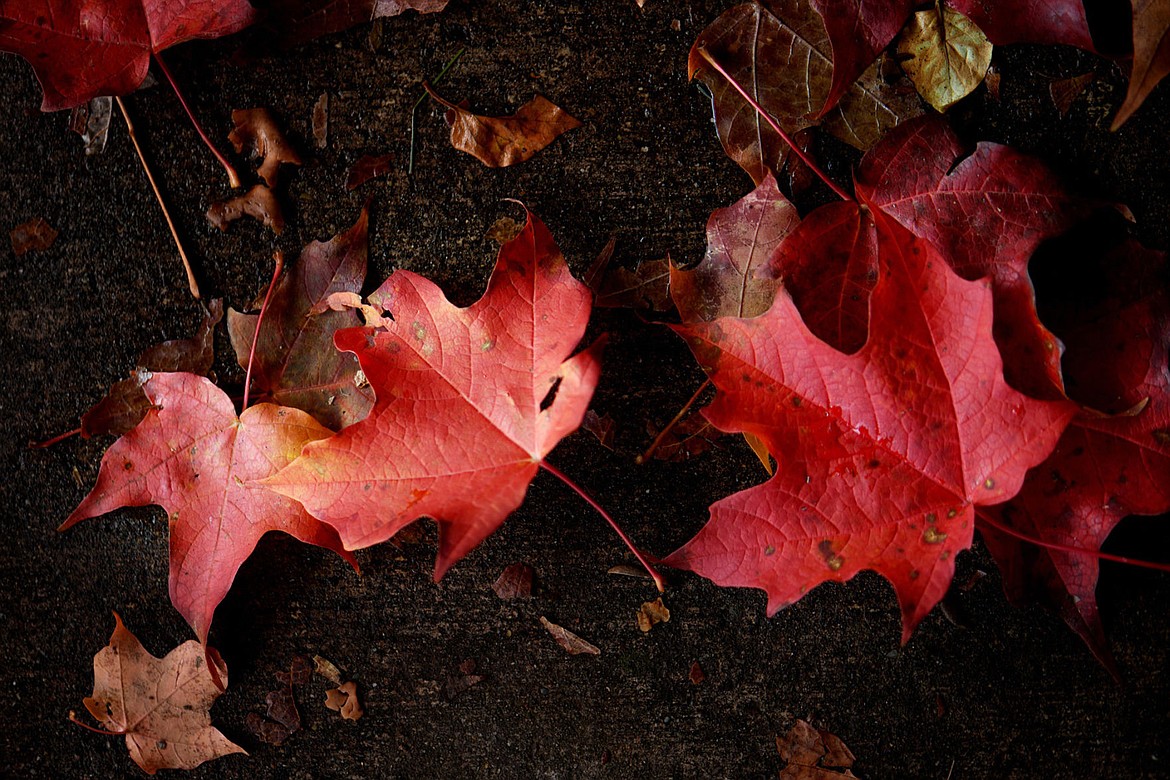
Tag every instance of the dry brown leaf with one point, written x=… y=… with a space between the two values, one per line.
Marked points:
x=160 y=704
x=697 y=675
x=1065 y=91
x=35 y=234
x=813 y=755
x=626 y=570
x=514 y=582
x=601 y=426
x=344 y=699
x=573 y=644
x=91 y=121
x=327 y=669
x=651 y=614
x=945 y=57
x=504 y=230
x=1151 y=54
x=320 y=121
x=693 y=436
x=259 y=203
x=257 y=128
x=367 y=167
x=498 y=142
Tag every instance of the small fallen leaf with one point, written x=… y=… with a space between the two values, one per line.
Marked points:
x=992 y=81
x=514 y=582
x=1065 y=91
x=91 y=121
x=161 y=704
x=504 y=230
x=813 y=755
x=626 y=570
x=126 y=404
x=690 y=438
x=651 y=614
x=645 y=288
x=367 y=167
x=36 y=234
x=697 y=675
x=298 y=672
x=498 y=142
x=327 y=669
x=256 y=128
x=321 y=121
x=946 y=56
x=259 y=203
x=573 y=644
x=344 y=699
x=282 y=721
x=601 y=426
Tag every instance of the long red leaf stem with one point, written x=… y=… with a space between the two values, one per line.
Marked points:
x=233 y=177
x=278 y=256
x=191 y=283
x=1064 y=548
x=40 y=445
x=654 y=445
x=613 y=523
x=775 y=126
x=103 y=732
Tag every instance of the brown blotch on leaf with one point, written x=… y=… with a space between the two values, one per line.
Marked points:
x=259 y=203
x=572 y=644
x=367 y=167
x=514 y=582
x=651 y=614
x=257 y=128
x=344 y=699
x=498 y=142
x=812 y=754
x=36 y=234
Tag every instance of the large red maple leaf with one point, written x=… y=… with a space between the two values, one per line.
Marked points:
x=468 y=403
x=80 y=49
x=195 y=458
x=884 y=454
x=1105 y=466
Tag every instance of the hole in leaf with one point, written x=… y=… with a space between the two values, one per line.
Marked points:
x=551 y=395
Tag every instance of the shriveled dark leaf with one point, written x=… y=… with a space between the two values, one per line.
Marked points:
x=690 y=438
x=36 y=234
x=1064 y=92
x=572 y=644
x=256 y=129
x=367 y=167
x=259 y=203
x=601 y=426
x=514 y=582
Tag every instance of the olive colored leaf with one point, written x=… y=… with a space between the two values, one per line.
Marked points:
x=296 y=363
x=498 y=142
x=161 y=704
x=945 y=55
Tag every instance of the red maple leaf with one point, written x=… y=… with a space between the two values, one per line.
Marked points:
x=468 y=403
x=80 y=49
x=1105 y=466
x=195 y=458
x=985 y=213
x=883 y=454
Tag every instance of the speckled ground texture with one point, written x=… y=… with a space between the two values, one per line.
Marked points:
x=1010 y=693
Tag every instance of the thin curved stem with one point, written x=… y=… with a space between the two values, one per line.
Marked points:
x=278 y=256
x=654 y=445
x=1064 y=548
x=613 y=523
x=103 y=732
x=40 y=445
x=775 y=126
x=233 y=177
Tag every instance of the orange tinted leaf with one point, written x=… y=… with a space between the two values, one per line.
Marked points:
x=498 y=142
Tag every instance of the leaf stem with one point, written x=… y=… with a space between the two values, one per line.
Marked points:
x=1064 y=548
x=654 y=445
x=613 y=523
x=278 y=256
x=806 y=159
x=103 y=732
x=233 y=177
x=40 y=445
x=191 y=283
x=422 y=97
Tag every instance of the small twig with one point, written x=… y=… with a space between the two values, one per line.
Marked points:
x=103 y=732
x=807 y=160
x=278 y=256
x=1064 y=548
x=654 y=445
x=422 y=97
x=40 y=445
x=191 y=283
x=233 y=177
x=613 y=523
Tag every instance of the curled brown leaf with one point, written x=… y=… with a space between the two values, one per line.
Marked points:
x=257 y=128
x=259 y=203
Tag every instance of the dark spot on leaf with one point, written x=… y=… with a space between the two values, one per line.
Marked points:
x=551 y=396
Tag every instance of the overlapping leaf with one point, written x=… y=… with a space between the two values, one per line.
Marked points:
x=296 y=363
x=81 y=49
x=195 y=458
x=885 y=453
x=469 y=403
x=1151 y=54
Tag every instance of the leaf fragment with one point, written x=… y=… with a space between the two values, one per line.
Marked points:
x=366 y=168
x=34 y=235
x=257 y=130
x=651 y=613
x=498 y=142
x=344 y=699
x=572 y=644
x=514 y=582
x=813 y=755
x=260 y=203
